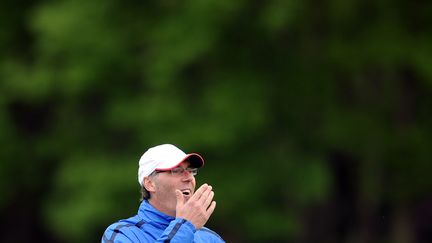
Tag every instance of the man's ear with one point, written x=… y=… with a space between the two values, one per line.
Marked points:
x=149 y=184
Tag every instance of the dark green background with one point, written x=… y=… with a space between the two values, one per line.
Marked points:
x=314 y=117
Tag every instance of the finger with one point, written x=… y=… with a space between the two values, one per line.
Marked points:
x=199 y=192
x=205 y=194
x=211 y=209
x=180 y=198
x=208 y=200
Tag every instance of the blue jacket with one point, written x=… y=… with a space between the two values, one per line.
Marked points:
x=151 y=225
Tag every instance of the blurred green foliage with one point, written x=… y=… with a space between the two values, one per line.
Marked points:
x=313 y=117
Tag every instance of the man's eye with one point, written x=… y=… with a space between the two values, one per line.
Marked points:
x=193 y=171
x=177 y=170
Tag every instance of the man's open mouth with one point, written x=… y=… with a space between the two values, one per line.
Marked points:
x=186 y=192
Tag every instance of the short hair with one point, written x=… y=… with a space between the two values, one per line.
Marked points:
x=145 y=195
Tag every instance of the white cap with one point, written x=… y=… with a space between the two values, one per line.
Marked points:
x=165 y=157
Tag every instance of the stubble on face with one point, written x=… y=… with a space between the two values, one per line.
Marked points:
x=164 y=197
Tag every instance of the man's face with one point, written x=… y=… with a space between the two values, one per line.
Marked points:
x=165 y=184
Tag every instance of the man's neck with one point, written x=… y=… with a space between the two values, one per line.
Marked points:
x=161 y=207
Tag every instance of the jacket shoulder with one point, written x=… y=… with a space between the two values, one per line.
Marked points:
x=123 y=230
x=208 y=233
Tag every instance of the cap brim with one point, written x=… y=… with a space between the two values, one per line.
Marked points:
x=196 y=161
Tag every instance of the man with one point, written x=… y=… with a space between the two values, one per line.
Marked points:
x=171 y=209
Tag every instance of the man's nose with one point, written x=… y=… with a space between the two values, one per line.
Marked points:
x=187 y=175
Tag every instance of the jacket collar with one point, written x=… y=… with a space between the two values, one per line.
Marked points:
x=149 y=213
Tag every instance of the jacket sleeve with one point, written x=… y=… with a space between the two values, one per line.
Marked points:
x=179 y=230
x=118 y=235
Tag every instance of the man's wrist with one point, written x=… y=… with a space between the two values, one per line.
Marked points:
x=188 y=223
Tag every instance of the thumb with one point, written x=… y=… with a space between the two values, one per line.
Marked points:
x=180 y=198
